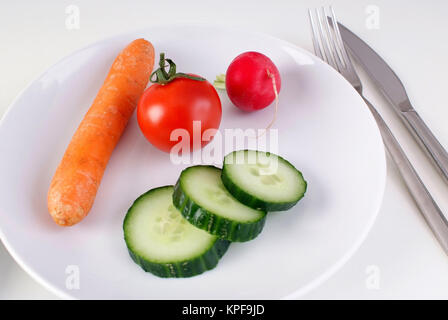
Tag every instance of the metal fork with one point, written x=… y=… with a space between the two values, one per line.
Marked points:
x=328 y=46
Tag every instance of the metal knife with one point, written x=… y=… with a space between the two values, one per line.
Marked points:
x=391 y=87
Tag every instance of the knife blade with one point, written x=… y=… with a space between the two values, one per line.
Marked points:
x=392 y=88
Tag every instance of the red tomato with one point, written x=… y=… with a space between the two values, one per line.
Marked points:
x=175 y=105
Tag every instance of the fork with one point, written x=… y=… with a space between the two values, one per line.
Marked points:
x=328 y=46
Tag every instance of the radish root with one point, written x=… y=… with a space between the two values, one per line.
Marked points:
x=274 y=86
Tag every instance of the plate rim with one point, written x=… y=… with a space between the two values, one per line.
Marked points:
x=313 y=284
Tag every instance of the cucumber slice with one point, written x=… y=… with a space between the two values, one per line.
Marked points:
x=262 y=180
x=204 y=201
x=162 y=242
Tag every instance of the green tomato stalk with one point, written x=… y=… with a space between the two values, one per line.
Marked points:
x=163 y=77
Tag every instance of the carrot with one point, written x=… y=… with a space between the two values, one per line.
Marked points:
x=78 y=176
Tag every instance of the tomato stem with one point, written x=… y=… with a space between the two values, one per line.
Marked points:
x=163 y=77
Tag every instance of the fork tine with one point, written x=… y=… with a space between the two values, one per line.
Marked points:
x=345 y=57
x=324 y=37
x=336 y=58
x=337 y=36
x=316 y=44
x=330 y=48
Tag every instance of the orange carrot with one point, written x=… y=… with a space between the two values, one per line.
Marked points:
x=76 y=181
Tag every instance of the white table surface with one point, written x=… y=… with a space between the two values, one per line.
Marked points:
x=411 y=36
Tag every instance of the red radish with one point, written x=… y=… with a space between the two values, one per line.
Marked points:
x=252 y=81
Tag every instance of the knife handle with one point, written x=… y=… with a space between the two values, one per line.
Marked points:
x=428 y=207
x=427 y=140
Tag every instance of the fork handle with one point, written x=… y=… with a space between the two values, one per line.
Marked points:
x=428 y=141
x=428 y=207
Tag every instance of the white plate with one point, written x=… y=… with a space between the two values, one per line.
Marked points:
x=324 y=129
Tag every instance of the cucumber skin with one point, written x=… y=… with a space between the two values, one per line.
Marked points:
x=253 y=201
x=222 y=227
x=184 y=269
x=181 y=269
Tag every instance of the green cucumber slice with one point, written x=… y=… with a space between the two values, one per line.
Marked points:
x=262 y=180
x=201 y=197
x=162 y=242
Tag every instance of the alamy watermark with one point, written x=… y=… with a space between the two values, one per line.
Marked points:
x=373 y=17
x=72 y=280
x=72 y=21
x=223 y=143
x=373 y=277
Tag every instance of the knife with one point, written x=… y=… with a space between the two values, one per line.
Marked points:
x=391 y=87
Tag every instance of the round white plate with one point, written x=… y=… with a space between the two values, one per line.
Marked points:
x=324 y=129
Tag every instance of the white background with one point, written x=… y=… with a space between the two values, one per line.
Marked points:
x=411 y=37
